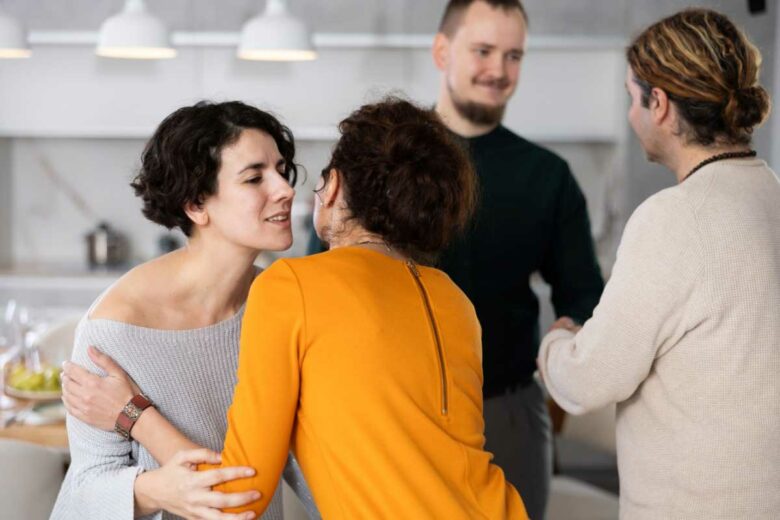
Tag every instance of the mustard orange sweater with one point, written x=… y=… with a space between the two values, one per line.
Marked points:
x=370 y=369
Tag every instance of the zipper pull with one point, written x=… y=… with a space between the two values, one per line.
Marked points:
x=413 y=268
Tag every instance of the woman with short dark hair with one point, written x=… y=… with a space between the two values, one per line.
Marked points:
x=686 y=337
x=363 y=359
x=222 y=173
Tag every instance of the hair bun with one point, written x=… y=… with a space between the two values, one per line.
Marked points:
x=746 y=108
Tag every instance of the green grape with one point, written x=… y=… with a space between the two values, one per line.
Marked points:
x=32 y=382
x=48 y=380
x=52 y=379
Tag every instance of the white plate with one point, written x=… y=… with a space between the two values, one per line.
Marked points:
x=31 y=395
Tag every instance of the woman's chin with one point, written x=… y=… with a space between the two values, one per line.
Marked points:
x=282 y=244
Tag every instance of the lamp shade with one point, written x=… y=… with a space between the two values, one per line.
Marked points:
x=135 y=34
x=13 y=38
x=275 y=36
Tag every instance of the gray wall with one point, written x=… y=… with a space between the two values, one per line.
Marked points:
x=5 y=201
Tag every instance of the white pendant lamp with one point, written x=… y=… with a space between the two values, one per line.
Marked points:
x=135 y=34
x=275 y=36
x=13 y=38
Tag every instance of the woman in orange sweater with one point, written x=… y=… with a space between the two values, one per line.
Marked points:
x=362 y=359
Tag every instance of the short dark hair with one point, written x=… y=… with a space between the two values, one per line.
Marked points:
x=453 y=13
x=709 y=69
x=181 y=161
x=405 y=177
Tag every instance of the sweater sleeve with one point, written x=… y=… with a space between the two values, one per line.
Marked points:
x=261 y=417
x=645 y=309
x=101 y=478
x=570 y=265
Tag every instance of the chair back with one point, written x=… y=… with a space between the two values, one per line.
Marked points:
x=30 y=479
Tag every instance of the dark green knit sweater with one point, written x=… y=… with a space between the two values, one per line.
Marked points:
x=532 y=217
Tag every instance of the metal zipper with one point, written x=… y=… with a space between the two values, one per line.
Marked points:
x=439 y=351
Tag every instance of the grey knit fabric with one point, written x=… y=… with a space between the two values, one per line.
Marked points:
x=190 y=375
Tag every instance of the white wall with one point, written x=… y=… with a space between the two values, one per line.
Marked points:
x=566 y=93
x=5 y=201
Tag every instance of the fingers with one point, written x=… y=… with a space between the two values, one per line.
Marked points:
x=212 y=477
x=78 y=397
x=72 y=405
x=72 y=387
x=79 y=375
x=220 y=500
x=72 y=397
x=197 y=456
x=77 y=405
x=206 y=513
x=105 y=362
x=564 y=322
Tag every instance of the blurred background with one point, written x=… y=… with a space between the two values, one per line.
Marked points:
x=73 y=125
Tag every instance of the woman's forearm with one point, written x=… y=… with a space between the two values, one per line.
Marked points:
x=143 y=493
x=160 y=438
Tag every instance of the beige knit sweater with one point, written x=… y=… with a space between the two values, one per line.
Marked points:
x=686 y=339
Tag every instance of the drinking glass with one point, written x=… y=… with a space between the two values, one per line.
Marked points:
x=10 y=346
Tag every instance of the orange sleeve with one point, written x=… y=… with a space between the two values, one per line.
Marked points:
x=265 y=400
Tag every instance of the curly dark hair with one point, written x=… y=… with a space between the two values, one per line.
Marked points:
x=180 y=162
x=709 y=69
x=405 y=177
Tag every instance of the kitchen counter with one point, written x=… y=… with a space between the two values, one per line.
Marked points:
x=54 y=285
x=56 y=276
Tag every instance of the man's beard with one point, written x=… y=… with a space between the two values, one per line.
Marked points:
x=477 y=113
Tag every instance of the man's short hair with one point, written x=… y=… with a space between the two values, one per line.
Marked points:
x=453 y=13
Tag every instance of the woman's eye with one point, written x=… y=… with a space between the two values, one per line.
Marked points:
x=254 y=180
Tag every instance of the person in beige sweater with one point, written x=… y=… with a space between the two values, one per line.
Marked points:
x=686 y=337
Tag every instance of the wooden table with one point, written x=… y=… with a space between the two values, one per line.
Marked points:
x=49 y=435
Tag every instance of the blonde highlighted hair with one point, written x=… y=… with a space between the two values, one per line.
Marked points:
x=710 y=71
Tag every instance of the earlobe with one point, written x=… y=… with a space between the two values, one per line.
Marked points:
x=659 y=104
x=332 y=188
x=197 y=213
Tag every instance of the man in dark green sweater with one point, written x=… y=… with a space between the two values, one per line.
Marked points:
x=532 y=218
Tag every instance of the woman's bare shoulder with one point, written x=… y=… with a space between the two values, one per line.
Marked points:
x=133 y=297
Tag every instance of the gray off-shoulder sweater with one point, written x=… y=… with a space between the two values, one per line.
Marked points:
x=190 y=376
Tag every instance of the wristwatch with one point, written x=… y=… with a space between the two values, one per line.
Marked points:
x=130 y=414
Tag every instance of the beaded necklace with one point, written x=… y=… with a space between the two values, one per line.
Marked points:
x=721 y=157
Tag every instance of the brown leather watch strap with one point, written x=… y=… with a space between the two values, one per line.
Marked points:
x=130 y=414
x=141 y=401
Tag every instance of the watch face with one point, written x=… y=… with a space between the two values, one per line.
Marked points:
x=133 y=412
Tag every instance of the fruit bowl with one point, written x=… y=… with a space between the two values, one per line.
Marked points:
x=41 y=385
